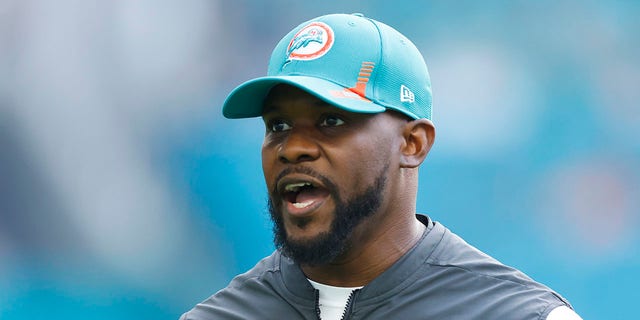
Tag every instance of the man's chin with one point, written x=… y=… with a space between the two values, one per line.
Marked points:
x=312 y=250
x=304 y=232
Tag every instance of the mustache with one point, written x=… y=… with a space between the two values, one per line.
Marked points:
x=306 y=171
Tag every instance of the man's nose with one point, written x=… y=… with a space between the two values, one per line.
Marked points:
x=299 y=146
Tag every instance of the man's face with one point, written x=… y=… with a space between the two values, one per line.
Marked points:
x=326 y=171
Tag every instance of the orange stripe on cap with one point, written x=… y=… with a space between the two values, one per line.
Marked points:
x=363 y=78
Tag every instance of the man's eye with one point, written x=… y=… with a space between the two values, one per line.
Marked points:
x=331 y=121
x=279 y=126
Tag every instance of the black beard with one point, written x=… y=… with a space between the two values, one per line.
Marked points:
x=327 y=246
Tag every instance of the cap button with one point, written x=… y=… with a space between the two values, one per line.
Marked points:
x=357 y=14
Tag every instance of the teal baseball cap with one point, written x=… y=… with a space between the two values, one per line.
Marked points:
x=349 y=61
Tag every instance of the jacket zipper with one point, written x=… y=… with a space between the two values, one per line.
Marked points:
x=347 y=309
x=318 y=303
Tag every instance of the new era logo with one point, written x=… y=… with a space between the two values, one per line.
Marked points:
x=406 y=95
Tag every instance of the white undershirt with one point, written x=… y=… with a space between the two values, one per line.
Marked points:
x=333 y=300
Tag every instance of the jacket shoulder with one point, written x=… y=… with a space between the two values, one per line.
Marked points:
x=487 y=283
x=247 y=296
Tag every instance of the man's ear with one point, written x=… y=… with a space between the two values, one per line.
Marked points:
x=418 y=138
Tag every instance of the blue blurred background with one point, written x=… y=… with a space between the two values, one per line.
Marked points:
x=124 y=194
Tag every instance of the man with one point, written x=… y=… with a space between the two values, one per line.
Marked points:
x=347 y=108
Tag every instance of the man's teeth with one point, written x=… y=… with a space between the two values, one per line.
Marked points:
x=301 y=205
x=294 y=187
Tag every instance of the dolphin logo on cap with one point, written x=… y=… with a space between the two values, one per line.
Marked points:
x=311 y=42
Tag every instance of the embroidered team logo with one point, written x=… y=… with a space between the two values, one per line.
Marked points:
x=311 y=42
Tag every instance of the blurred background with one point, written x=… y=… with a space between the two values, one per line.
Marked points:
x=124 y=194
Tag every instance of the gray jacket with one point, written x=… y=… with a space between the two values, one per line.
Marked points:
x=442 y=277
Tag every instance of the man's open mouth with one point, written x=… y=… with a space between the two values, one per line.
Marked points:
x=300 y=194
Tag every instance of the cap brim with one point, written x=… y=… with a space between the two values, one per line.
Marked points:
x=246 y=101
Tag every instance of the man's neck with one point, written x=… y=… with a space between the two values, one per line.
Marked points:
x=369 y=256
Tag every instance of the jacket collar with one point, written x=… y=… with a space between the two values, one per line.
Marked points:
x=394 y=279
